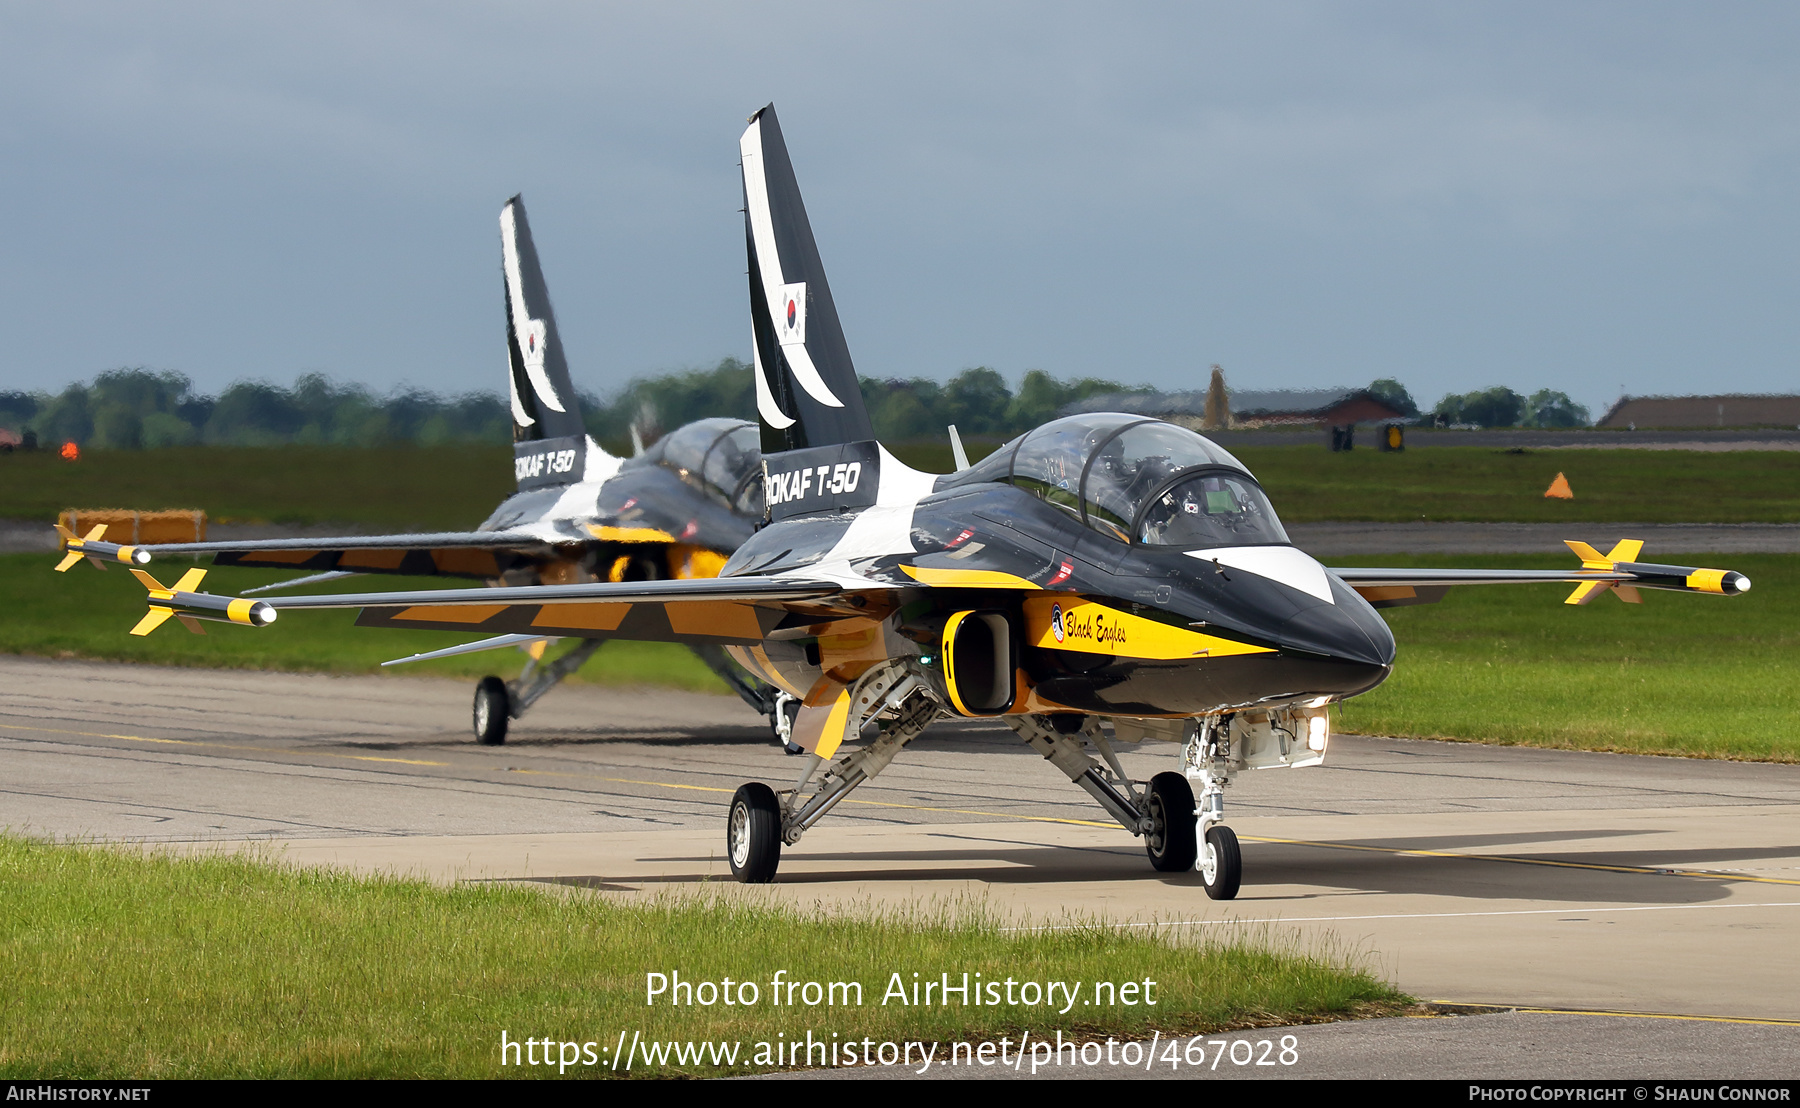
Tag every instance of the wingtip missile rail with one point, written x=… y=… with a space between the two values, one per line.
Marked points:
x=190 y=607
x=1648 y=575
x=76 y=547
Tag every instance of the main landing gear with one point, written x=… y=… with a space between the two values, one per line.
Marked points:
x=762 y=820
x=498 y=703
x=753 y=834
x=780 y=707
x=1177 y=831
x=1180 y=832
x=1169 y=802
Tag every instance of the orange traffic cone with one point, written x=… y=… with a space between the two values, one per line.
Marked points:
x=1560 y=489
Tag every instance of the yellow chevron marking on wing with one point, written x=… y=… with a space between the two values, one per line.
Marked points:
x=451 y=613
x=724 y=619
x=589 y=617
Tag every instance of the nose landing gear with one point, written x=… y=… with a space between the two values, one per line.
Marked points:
x=1207 y=759
x=1221 y=865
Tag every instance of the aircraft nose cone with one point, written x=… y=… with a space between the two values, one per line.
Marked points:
x=1357 y=635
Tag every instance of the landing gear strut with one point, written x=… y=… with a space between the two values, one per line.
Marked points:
x=1177 y=830
x=761 y=821
x=779 y=706
x=1207 y=758
x=782 y=715
x=498 y=703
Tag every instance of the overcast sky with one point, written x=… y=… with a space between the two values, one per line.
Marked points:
x=1591 y=197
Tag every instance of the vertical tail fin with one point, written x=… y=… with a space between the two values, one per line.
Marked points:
x=807 y=393
x=550 y=443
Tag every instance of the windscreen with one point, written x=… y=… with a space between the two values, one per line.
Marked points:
x=734 y=465
x=721 y=457
x=1050 y=460
x=1213 y=507
x=1137 y=480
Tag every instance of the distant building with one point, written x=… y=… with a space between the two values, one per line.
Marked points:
x=1703 y=411
x=1293 y=408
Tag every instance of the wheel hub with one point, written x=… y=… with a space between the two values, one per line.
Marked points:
x=1209 y=862
x=740 y=836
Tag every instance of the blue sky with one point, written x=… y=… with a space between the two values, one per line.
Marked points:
x=1593 y=197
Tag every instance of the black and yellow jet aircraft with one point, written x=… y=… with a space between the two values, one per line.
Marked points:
x=675 y=510
x=1103 y=567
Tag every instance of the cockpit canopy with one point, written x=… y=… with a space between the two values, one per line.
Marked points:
x=720 y=457
x=1137 y=480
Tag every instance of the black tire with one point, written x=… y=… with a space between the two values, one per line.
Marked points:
x=1221 y=864
x=753 y=834
x=493 y=711
x=1172 y=841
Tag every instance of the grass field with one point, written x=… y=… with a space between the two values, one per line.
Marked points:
x=457 y=486
x=85 y=613
x=1474 y=484
x=1689 y=675
x=121 y=964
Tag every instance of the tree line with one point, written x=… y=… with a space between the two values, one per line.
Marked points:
x=1495 y=407
x=127 y=409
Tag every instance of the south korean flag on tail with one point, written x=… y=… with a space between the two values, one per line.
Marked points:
x=790 y=326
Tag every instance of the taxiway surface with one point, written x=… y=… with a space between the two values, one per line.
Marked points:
x=1466 y=873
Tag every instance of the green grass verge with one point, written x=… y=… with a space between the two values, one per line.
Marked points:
x=85 y=613
x=125 y=964
x=448 y=487
x=374 y=489
x=1688 y=675
x=1475 y=484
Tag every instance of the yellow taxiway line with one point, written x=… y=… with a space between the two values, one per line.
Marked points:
x=1652 y=871
x=219 y=746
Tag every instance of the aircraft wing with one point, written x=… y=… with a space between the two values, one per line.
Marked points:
x=1615 y=571
x=701 y=610
x=449 y=553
